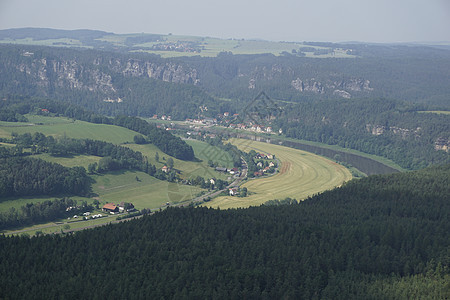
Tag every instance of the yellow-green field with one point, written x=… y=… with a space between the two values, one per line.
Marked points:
x=302 y=174
x=439 y=112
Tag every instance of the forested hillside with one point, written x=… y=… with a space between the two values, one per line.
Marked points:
x=387 y=128
x=381 y=237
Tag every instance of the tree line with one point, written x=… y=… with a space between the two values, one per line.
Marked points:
x=44 y=211
x=20 y=176
x=374 y=238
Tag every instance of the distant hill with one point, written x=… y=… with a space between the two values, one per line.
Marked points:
x=47 y=34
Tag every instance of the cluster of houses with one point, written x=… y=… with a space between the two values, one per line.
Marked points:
x=178 y=46
x=264 y=167
x=227 y=119
x=163 y=117
x=232 y=171
x=119 y=208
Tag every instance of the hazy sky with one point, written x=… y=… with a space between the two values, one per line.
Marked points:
x=288 y=20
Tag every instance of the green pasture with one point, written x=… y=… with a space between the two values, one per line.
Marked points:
x=70 y=162
x=144 y=191
x=190 y=169
x=60 y=127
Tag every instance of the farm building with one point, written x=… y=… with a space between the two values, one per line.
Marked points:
x=233 y=191
x=110 y=207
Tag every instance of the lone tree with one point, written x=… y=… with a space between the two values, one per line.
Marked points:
x=170 y=162
x=157 y=156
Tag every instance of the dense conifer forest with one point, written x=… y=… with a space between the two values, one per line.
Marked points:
x=380 y=237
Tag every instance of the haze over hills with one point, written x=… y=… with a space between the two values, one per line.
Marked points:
x=149 y=74
x=164 y=120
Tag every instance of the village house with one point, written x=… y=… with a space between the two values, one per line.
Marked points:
x=128 y=207
x=258 y=173
x=165 y=169
x=110 y=207
x=233 y=191
x=212 y=181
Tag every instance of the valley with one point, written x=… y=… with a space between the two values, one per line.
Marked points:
x=168 y=166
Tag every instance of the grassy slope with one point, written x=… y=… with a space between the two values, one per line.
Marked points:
x=149 y=192
x=302 y=174
x=146 y=192
x=190 y=169
x=70 y=162
x=59 y=127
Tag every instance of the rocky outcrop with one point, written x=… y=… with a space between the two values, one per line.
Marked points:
x=352 y=85
x=169 y=72
x=341 y=88
x=442 y=143
x=97 y=76
x=402 y=132
x=375 y=129
x=67 y=74
x=310 y=85
x=342 y=94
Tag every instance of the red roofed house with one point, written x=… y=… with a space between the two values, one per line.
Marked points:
x=110 y=207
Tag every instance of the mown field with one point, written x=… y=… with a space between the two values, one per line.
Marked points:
x=302 y=174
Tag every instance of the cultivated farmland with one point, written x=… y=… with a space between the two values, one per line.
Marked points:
x=302 y=174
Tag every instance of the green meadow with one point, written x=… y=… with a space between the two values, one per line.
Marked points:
x=59 y=127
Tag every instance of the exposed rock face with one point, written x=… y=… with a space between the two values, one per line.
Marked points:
x=67 y=74
x=251 y=83
x=310 y=85
x=169 y=72
x=340 y=88
x=98 y=75
x=375 y=129
x=442 y=143
x=402 y=132
x=342 y=94
x=353 y=85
